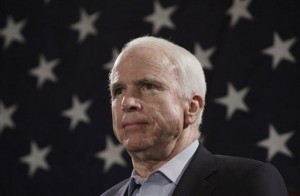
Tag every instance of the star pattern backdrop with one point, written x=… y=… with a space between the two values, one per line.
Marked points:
x=56 y=136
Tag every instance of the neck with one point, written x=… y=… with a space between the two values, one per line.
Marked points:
x=145 y=162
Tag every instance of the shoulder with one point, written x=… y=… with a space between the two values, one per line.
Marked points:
x=253 y=176
x=235 y=175
x=244 y=166
x=237 y=163
x=118 y=189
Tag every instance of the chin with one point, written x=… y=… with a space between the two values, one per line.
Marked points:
x=135 y=146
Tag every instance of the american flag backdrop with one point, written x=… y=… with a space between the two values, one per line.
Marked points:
x=56 y=136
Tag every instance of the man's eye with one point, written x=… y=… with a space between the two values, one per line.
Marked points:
x=148 y=86
x=118 y=91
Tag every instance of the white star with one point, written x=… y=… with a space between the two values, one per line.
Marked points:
x=12 y=31
x=44 y=71
x=234 y=100
x=36 y=159
x=85 y=25
x=161 y=17
x=111 y=155
x=276 y=143
x=77 y=113
x=110 y=64
x=5 y=116
x=239 y=10
x=204 y=55
x=280 y=50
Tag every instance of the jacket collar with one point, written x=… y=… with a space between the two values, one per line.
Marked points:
x=193 y=181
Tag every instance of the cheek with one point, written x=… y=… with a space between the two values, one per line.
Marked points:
x=174 y=107
x=115 y=111
x=115 y=117
x=172 y=115
x=113 y=114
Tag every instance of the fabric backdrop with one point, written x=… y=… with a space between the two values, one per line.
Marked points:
x=56 y=136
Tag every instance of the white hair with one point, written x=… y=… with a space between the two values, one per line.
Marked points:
x=190 y=75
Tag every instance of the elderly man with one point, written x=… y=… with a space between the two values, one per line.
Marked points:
x=157 y=100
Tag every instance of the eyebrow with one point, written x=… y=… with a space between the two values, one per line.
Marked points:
x=151 y=81
x=147 y=80
x=114 y=86
x=139 y=82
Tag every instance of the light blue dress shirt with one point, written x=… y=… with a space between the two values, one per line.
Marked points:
x=164 y=180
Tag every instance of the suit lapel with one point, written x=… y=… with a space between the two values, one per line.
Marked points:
x=123 y=190
x=193 y=180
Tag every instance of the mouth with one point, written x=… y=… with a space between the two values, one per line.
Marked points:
x=134 y=121
x=133 y=124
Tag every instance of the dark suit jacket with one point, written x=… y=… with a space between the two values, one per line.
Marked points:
x=217 y=175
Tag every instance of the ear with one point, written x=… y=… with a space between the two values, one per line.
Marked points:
x=193 y=111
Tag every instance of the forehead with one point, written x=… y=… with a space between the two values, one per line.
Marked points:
x=140 y=61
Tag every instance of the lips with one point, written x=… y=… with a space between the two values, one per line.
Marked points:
x=133 y=120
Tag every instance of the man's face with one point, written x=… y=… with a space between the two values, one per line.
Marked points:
x=147 y=111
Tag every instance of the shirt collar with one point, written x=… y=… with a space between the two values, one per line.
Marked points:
x=174 y=168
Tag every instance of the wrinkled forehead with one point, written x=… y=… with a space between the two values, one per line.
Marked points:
x=144 y=56
x=148 y=53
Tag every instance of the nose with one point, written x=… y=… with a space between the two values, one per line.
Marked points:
x=130 y=103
